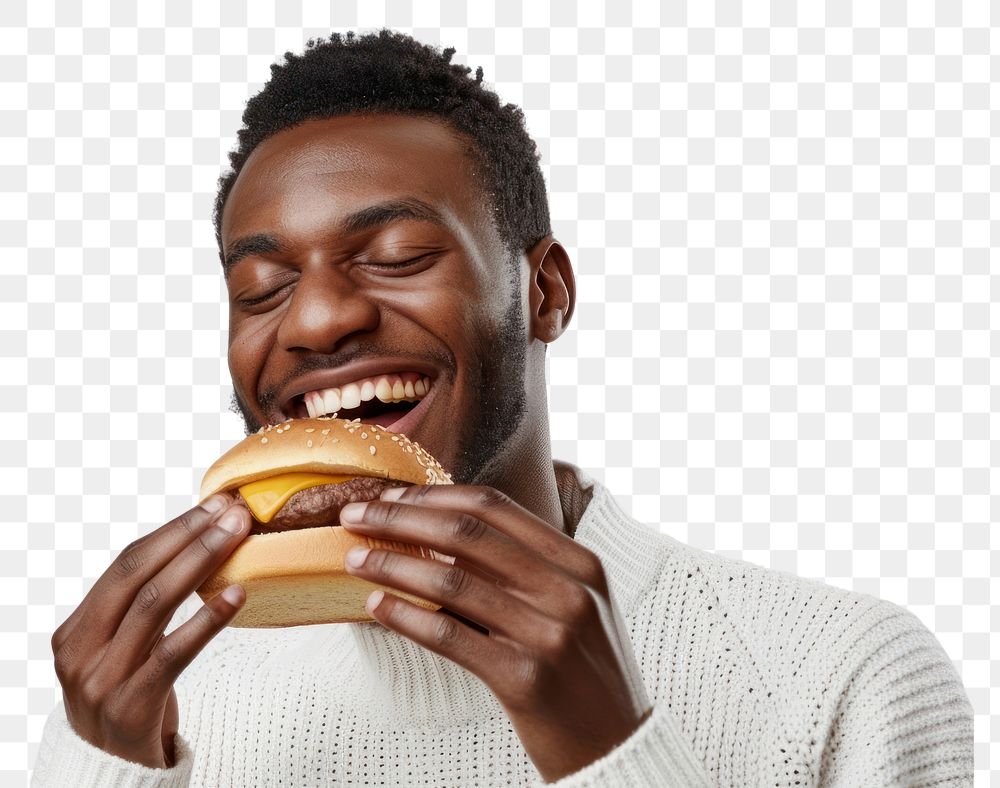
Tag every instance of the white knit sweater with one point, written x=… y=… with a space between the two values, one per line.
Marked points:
x=758 y=678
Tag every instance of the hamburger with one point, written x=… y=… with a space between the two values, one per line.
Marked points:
x=295 y=477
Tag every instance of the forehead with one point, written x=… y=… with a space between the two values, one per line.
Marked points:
x=324 y=168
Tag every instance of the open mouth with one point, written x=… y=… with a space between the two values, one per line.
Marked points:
x=371 y=412
x=385 y=400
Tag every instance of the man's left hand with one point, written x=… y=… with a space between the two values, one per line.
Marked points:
x=550 y=643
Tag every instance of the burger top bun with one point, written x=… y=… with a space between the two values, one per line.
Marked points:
x=323 y=445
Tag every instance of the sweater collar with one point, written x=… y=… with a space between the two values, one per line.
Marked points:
x=626 y=547
x=404 y=680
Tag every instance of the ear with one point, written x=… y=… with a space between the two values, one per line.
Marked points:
x=551 y=289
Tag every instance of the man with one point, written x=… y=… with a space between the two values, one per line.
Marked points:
x=385 y=213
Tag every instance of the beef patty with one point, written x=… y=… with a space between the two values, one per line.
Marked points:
x=316 y=507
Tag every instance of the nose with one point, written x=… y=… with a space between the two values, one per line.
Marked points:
x=325 y=308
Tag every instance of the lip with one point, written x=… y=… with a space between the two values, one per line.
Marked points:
x=340 y=376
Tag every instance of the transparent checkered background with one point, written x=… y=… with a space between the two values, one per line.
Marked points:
x=781 y=223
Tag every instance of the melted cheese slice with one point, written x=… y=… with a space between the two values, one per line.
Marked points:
x=266 y=496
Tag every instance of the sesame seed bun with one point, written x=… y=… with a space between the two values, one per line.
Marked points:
x=323 y=445
x=297 y=577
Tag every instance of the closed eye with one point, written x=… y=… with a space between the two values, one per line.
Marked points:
x=269 y=287
x=397 y=266
x=261 y=299
x=248 y=303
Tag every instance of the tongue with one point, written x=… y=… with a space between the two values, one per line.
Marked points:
x=386 y=417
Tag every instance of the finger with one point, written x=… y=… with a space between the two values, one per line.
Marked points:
x=477 y=653
x=104 y=605
x=462 y=535
x=506 y=515
x=452 y=587
x=162 y=594
x=172 y=654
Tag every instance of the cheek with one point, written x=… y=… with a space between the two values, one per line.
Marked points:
x=250 y=341
x=444 y=303
x=471 y=330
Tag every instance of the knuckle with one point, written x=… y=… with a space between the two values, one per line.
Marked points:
x=129 y=562
x=148 y=598
x=417 y=491
x=164 y=652
x=57 y=639
x=386 y=513
x=558 y=642
x=491 y=498
x=380 y=562
x=454 y=581
x=207 y=542
x=208 y=617
x=580 y=603
x=66 y=663
x=186 y=522
x=65 y=670
x=467 y=528
x=447 y=632
x=92 y=694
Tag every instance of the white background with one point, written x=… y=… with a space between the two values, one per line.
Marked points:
x=781 y=219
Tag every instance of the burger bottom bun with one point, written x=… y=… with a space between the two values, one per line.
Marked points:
x=297 y=577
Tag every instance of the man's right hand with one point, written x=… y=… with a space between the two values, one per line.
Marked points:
x=116 y=668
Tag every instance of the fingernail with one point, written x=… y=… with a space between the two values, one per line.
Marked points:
x=356 y=556
x=233 y=595
x=232 y=520
x=392 y=493
x=374 y=599
x=216 y=503
x=353 y=512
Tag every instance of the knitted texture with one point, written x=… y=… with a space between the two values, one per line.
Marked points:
x=757 y=678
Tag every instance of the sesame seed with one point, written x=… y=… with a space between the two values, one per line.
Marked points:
x=326 y=431
x=364 y=435
x=309 y=444
x=310 y=429
x=372 y=449
x=263 y=440
x=395 y=438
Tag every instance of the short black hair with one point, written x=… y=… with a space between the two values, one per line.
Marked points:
x=388 y=71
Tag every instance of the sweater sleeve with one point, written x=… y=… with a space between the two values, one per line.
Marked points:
x=657 y=755
x=64 y=758
x=904 y=717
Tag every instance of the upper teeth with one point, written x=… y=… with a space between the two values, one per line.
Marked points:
x=388 y=388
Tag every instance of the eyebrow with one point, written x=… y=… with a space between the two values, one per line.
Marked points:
x=368 y=218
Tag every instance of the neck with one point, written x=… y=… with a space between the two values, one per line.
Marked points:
x=524 y=471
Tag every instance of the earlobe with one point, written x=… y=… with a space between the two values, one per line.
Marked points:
x=552 y=289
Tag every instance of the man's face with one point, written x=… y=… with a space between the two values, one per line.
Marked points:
x=326 y=302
